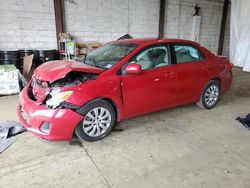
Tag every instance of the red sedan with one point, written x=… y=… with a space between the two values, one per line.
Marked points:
x=120 y=80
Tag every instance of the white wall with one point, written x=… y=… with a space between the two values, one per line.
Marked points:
x=31 y=23
x=106 y=20
x=27 y=24
x=144 y=18
x=178 y=22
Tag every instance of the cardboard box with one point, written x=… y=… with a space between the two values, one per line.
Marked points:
x=64 y=36
x=8 y=80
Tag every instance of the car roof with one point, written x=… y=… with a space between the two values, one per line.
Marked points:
x=147 y=41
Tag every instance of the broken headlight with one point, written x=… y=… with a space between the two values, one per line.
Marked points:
x=57 y=98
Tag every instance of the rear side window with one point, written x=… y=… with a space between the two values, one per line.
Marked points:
x=187 y=53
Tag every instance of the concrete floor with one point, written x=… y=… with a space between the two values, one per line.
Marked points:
x=182 y=147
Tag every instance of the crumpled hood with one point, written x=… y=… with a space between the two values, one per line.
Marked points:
x=55 y=70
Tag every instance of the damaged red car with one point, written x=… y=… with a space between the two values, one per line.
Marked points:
x=120 y=80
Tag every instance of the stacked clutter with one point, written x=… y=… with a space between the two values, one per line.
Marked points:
x=85 y=48
x=71 y=49
x=16 y=66
x=10 y=57
x=9 y=82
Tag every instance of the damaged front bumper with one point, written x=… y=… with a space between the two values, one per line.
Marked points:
x=51 y=124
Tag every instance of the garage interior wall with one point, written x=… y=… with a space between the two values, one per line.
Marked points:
x=108 y=20
x=27 y=24
x=31 y=23
x=178 y=22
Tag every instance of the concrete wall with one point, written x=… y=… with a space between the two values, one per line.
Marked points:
x=107 y=20
x=179 y=20
x=27 y=24
x=31 y=23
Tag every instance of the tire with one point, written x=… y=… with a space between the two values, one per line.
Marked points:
x=210 y=96
x=99 y=120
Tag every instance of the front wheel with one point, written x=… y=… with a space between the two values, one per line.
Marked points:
x=210 y=96
x=99 y=120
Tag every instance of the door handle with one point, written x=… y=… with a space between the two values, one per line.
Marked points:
x=156 y=79
x=205 y=68
x=169 y=74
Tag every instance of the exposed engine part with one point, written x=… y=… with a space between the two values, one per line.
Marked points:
x=71 y=79
x=46 y=91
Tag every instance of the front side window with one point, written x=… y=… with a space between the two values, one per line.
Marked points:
x=109 y=55
x=152 y=57
x=187 y=53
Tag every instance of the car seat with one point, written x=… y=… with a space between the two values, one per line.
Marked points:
x=158 y=57
x=145 y=62
x=184 y=55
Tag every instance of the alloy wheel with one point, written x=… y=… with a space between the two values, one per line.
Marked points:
x=211 y=95
x=96 y=122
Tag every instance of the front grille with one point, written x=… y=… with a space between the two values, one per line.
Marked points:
x=40 y=83
x=38 y=89
x=30 y=93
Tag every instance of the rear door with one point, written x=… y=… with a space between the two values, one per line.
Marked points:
x=154 y=87
x=192 y=69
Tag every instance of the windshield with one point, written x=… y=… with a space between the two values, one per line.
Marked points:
x=109 y=55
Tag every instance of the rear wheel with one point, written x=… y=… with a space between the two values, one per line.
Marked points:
x=99 y=120
x=210 y=96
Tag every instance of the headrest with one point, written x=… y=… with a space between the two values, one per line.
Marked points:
x=183 y=52
x=155 y=53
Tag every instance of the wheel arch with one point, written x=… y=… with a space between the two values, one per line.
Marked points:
x=212 y=79
x=115 y=106
x=109 y=100
x=200 y=103
x=218 y=80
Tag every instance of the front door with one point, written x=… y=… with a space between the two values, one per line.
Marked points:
x=154 y=87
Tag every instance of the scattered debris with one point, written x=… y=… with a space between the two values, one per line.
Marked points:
x=75 y=142
x=7 y=131
x=245 y=121
x=127 y=36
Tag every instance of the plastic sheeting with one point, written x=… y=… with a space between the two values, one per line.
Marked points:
x=240 y=34
x=7 y=131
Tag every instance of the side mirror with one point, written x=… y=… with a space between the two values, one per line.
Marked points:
x=133 y=69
